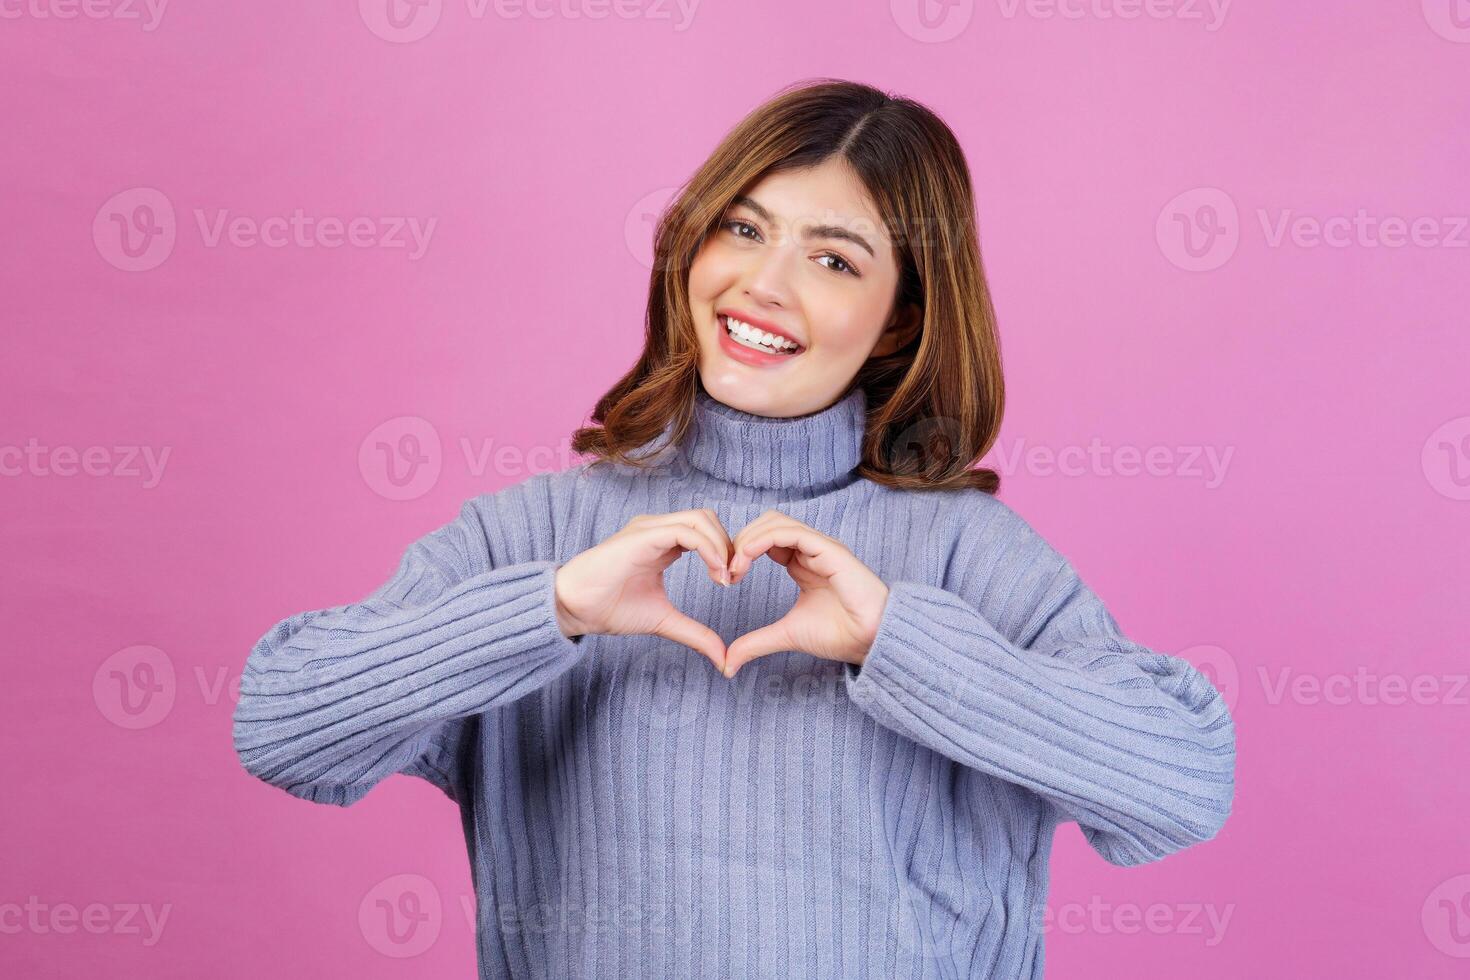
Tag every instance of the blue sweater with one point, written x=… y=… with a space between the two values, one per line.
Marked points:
x=630 y=812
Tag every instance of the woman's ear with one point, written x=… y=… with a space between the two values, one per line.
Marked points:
x=900 y=330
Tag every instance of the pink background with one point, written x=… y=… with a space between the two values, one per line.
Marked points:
x=1327 y=553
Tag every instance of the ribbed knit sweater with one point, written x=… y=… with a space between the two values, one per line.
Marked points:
x=629 y=812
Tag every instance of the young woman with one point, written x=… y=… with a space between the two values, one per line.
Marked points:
x=905 y=700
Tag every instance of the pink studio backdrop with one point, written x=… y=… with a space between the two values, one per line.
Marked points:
x=1229 y=252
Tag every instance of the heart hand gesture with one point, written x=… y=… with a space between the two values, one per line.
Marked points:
x=617 y=587
x=841 y=600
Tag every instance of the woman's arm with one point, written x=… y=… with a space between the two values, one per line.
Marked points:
x=1046 y=692
x=332 y=701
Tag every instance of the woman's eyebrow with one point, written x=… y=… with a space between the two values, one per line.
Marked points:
x=813 y=231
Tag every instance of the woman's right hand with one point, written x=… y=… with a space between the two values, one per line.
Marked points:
x=617 y=587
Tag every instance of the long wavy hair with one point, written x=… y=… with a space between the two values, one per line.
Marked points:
x=934 y=405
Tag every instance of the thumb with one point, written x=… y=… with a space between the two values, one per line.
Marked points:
x=693 y=634
x=758 y=643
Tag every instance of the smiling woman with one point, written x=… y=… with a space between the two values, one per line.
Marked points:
x=839 y=223
x=797 y=280
x=816 y=384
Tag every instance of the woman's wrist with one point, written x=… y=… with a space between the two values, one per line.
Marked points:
x=569 y=625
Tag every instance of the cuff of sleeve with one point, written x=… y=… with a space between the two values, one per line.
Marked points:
x=551 y=598
x=906 y=666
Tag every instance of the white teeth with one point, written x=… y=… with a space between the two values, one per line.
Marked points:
x=756 y=339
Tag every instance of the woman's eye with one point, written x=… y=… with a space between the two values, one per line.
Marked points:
x=736 y=224
x=845 y=266
x=737 y=227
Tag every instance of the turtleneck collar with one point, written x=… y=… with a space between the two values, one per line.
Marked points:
x=805 y=453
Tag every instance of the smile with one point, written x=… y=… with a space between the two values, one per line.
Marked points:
x=755 y=339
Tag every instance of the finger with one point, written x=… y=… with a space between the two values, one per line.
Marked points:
x=721 y=534
x=823 y=555
x=693 y=634
x=754 y=541
x=704 y=518
x=781 y=556
x=762 y=523
x=710 y=521
x=758 y=643
x=688 y=536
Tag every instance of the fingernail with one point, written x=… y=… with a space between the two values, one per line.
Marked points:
x=725 y=574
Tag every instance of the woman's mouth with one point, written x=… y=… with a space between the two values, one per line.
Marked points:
x=752 y=345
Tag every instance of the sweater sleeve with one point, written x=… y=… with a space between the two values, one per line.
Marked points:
x=332 y=701
x=1046 y=692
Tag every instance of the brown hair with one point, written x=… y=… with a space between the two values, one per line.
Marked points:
x=935 y=405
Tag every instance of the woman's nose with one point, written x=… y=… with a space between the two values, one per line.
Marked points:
x=769 y=281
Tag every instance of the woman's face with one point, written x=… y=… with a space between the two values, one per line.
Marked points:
x=802 y=255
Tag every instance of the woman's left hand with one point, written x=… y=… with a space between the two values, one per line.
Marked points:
x=840 y=603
